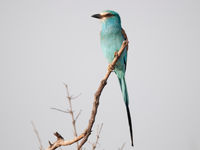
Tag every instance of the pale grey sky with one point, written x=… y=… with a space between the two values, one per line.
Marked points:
x=47 y=42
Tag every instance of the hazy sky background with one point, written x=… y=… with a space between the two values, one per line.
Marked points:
x=44 y=43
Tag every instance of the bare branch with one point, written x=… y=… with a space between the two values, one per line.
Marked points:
x=97 y=137
x=37 y=134
x=97 y=95
x=99 y=129
x=78 y=115
x=122 y=147
x=60 y=110
x=71 y=112
x=62 y=142
x=75 y=97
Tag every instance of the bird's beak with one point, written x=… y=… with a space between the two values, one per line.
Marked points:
x=98 y=16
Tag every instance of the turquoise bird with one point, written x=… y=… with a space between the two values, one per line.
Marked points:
x=112 y=35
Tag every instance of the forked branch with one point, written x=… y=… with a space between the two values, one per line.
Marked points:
x=87 y=132
x=71 y=112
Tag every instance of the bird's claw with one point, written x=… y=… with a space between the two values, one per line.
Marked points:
x=111 y=67
x=116 y=54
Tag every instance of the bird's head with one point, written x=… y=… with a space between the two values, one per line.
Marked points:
x=108 y=16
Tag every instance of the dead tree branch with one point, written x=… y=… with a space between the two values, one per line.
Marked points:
x=122 y=147
x=94 y=145
x=61 y=142
x=71 y=112
x=60 y=110
x=37 y=134
x=78 y=115
x=87 y=132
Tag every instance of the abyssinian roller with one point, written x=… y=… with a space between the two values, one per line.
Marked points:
x=112 y=36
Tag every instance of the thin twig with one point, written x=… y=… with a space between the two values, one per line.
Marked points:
x=75 y=97
x=78 y=115
x=71 y=112
x=122 y=147
x=60 y=110
x=87 y=132
x=97 y=137
x=38 y=136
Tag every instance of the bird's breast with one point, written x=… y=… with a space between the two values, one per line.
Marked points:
x=110 y=43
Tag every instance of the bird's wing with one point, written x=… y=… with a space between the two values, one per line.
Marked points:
x=125 y=38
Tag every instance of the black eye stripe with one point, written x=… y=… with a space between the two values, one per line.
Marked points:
x=108 y=15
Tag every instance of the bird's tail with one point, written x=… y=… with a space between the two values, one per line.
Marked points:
x=124 y=90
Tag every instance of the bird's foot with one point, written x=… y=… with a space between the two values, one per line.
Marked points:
x=116 y=54
x=111 y=67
